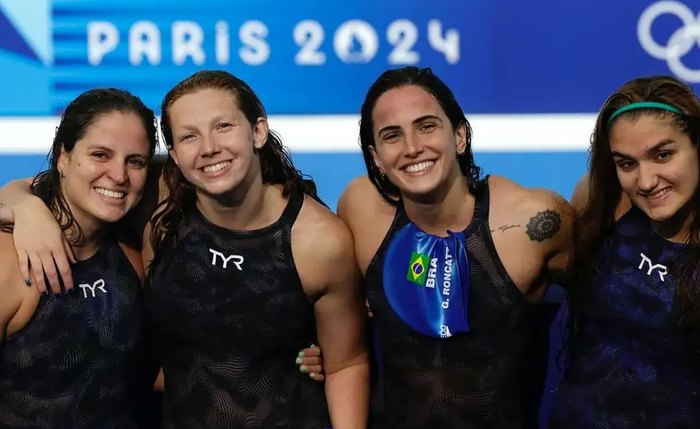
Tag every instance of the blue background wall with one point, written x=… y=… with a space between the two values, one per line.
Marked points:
x=311 y=58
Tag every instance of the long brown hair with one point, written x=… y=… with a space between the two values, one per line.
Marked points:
x=275 y=162
x=605 y=191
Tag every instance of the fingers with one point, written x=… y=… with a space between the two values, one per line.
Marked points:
x=39 y=267
x=317 y=376
x=310 y=362
x=43 y=252
x=311 y=351
x=311 y=365
x=63 y=267
x=36 y=273
x=49 y=270
x=23 y=260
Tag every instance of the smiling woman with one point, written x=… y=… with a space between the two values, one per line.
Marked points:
x=636 y=306
x=451 y=262
x=92 y=182
x=657 y=165
x=243 y=250
x=97 y=174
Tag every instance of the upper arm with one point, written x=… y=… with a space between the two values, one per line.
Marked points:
x=347 y=200
x=12 y=193
x=10 y=289
x=369 y=217
x=326 y=263
x=560 y=254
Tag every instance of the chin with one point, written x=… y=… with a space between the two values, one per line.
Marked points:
x=418 y=185
x=661 y=214
x=112 y=216
x=113 y=213
x=218 y=190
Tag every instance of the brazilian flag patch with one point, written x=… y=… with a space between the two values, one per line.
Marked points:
x=418 y=268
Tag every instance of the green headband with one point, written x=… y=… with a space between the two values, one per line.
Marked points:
x=643 y=105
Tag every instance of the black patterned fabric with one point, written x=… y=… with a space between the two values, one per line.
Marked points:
x=473 y=379
x=231 y=315
x=77 y=362
x=632 y=367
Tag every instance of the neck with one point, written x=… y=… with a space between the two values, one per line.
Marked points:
x=244 y=208
x=450 y=208
x=92 y=234
x=676 y=229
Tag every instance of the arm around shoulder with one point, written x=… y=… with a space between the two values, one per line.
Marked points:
x=14 y=193
x=39 y=242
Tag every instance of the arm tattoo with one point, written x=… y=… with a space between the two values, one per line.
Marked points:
x=543 y=225
x=504 y=228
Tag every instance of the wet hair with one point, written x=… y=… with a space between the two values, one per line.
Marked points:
x=78 y=116
x=605 y=191
x=275 y=162
x=424 y=78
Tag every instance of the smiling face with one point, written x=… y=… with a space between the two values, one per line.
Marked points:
x=104 y=175
x=213 y=142
x=415 y=144
x=657 y=166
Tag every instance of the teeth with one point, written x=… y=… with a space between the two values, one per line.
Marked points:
x=421 y=166
x=110 y=194
x=216 y=167
x=660 y=193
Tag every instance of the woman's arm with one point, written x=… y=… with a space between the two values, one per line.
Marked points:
x=322 y=247
x=42 y=249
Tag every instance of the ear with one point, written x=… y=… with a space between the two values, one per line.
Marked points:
x=173 y=155
x=377 y=161
x=260 y=132
x=63 y=160
x=461 y=136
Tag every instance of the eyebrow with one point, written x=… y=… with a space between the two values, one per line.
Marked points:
x=415 y=121
x=99 y=147
x=214 y=120
x=652 y=149
x=110 y=150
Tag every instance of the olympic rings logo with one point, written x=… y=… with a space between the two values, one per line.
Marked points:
x=679 y=44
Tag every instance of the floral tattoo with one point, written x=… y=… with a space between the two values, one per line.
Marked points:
x=543 y=225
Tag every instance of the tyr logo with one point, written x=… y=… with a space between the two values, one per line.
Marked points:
x=98 y=285
x=662 y=270
x=237 y=259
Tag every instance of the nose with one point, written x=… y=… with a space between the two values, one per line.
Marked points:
x=414 y=146
x=647 y=178
x=210 y=146
x=118 y=173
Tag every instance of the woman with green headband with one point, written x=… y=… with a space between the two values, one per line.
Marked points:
x=635 y=310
